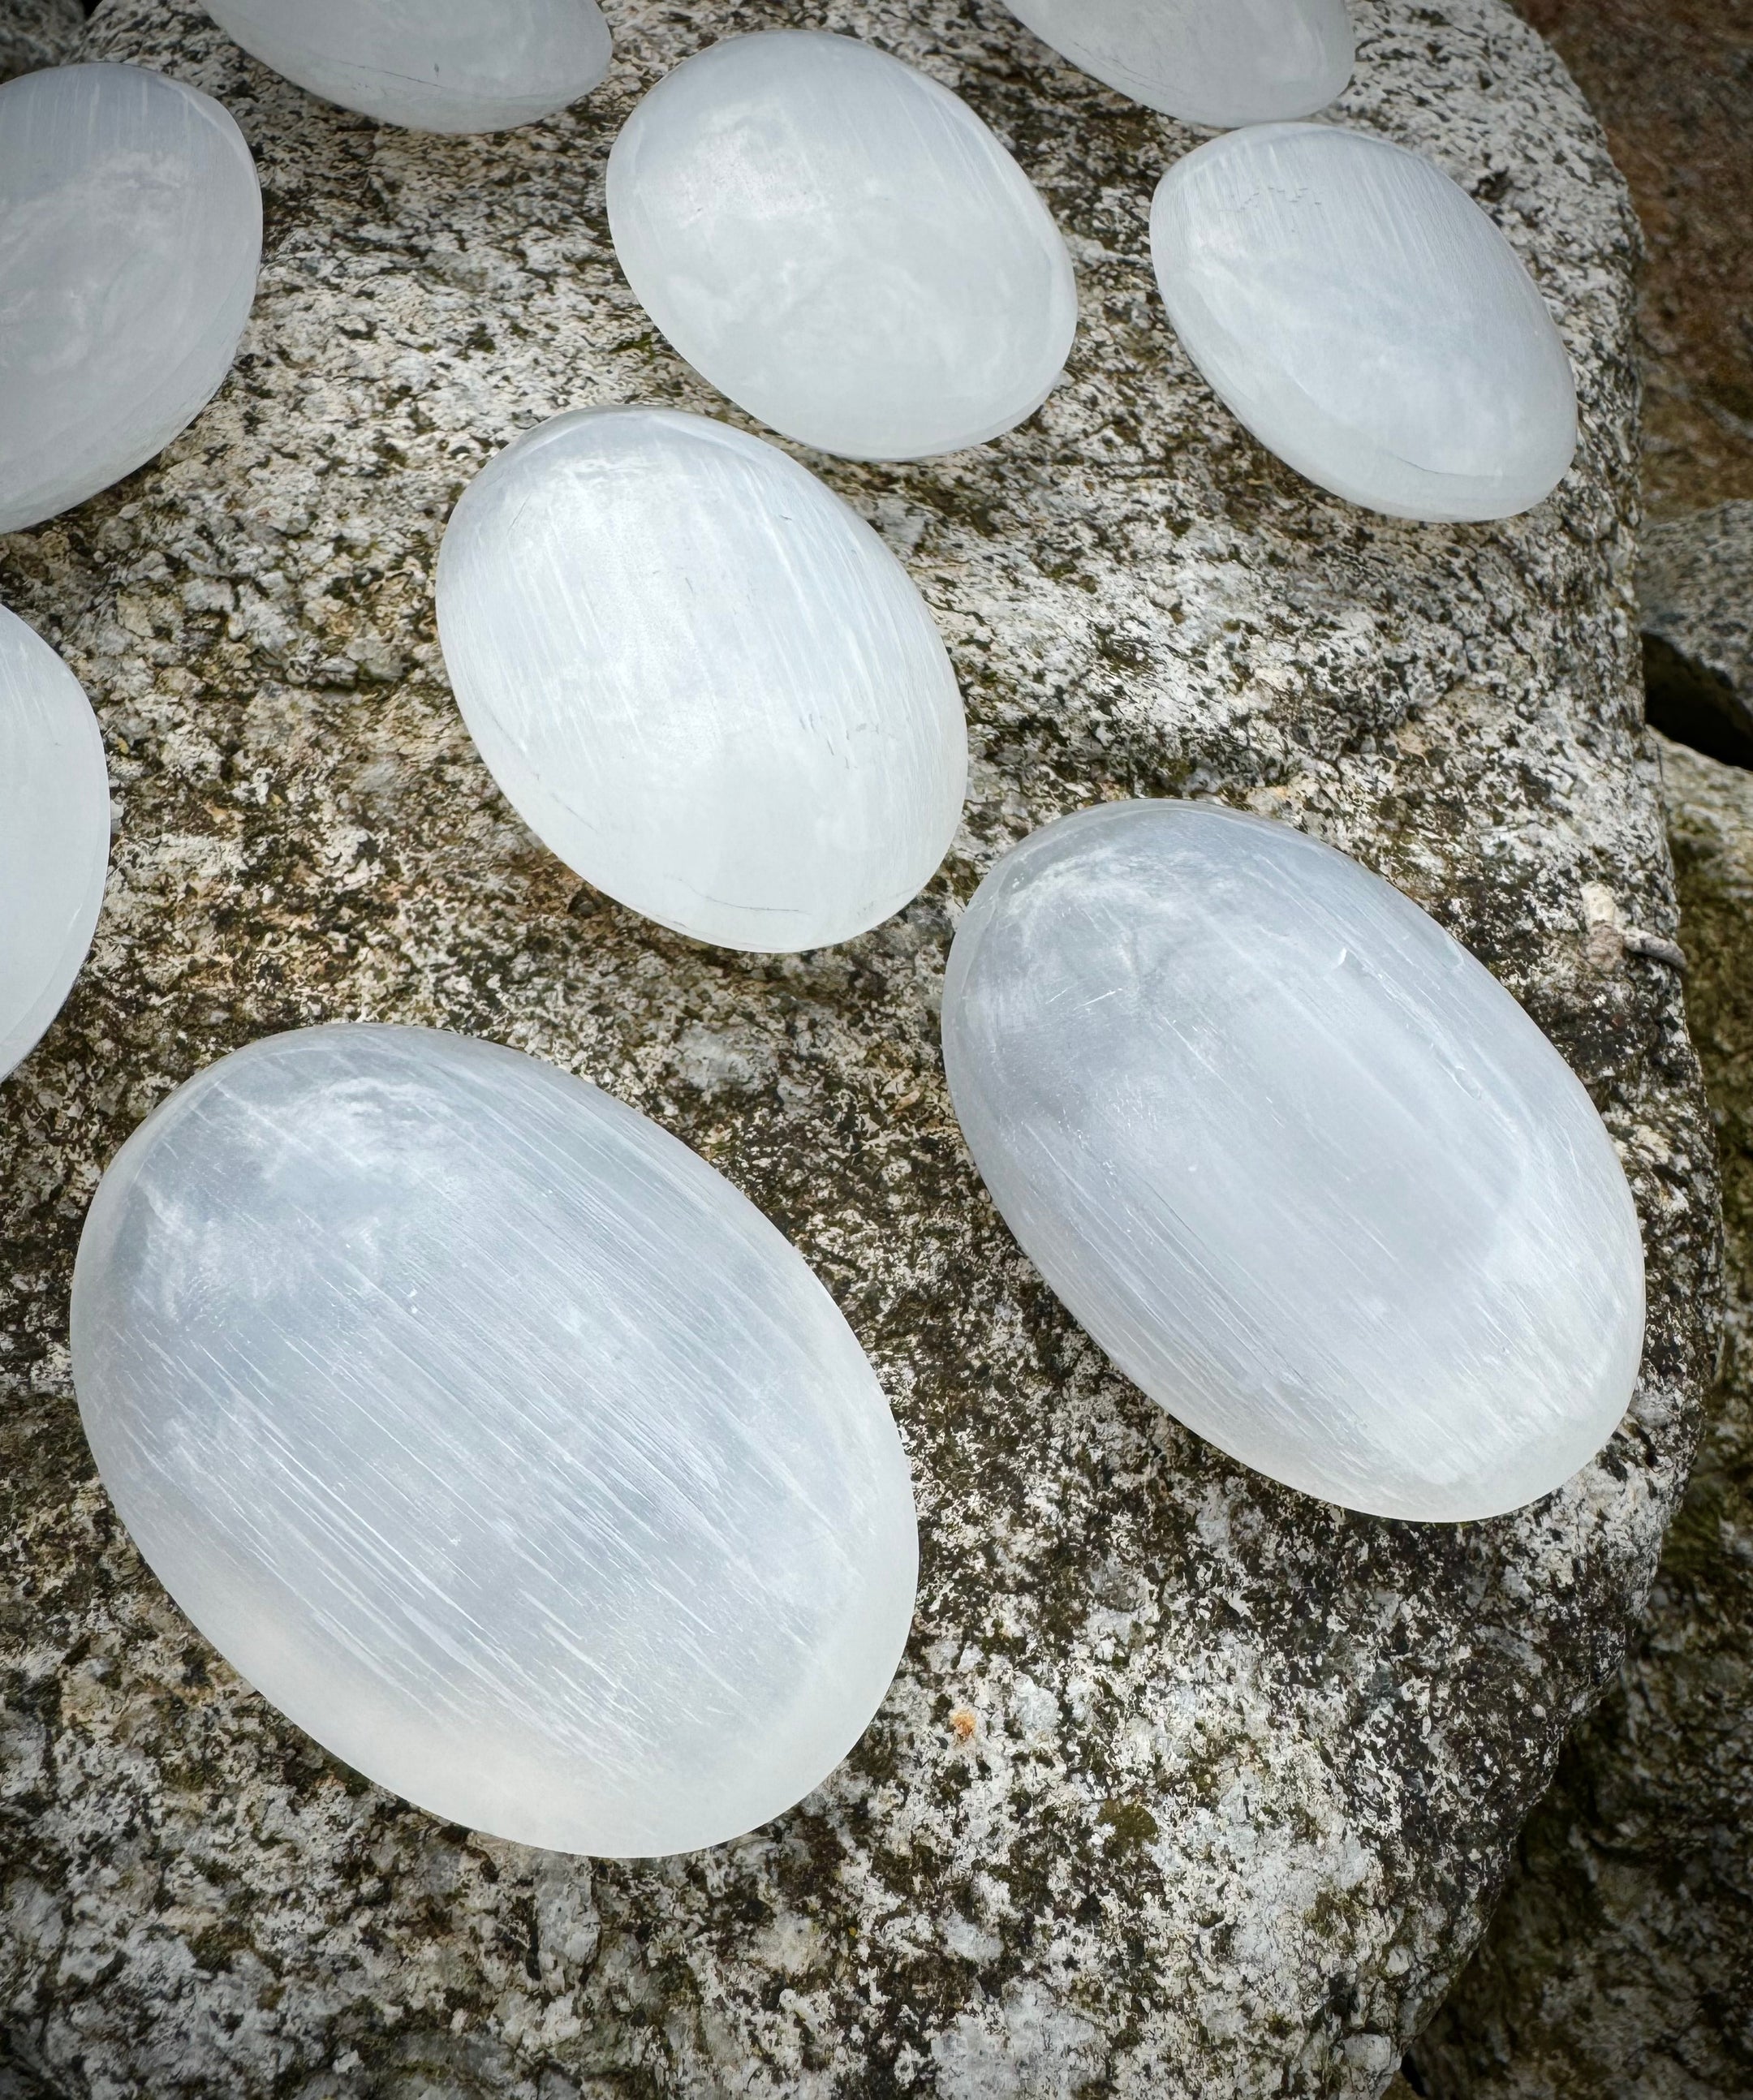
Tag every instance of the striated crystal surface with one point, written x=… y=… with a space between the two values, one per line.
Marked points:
x=54 y=834
x=704 y=682
x=1206 y=61
x=1366 y=320
x=433 y=65
x=495 y=1438
x=131 y=229
x=840 y=245
x=1296 y=1161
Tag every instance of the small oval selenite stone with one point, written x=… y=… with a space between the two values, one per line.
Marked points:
x=1218 y=62
x=701 y=679
x=430 y=65
x=130 y=232
x=1366 y=320
x=842 y=246
x=1305 y=1171
x=495 y=1438
x=54 y=834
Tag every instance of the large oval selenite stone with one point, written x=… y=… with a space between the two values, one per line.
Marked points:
x=495 y=1438
x=54 y=834
x=1366 y=320
x=701 y=680
x=1205 y=61
x=842 y=246
x=432 y=65
x=130 y=232
x=1297 y=1161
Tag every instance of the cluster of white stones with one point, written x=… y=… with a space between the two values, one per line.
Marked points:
x=482 y=1425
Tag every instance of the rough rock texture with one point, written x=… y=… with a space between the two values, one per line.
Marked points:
x=1672 y=82
x=1695 y=599
x=37 y=33
x=1187 y=1785
x=1621 y=1961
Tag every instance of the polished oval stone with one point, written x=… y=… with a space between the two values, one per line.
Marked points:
x=1366 y=320
x=54 y=834
x=130 y=230
x=432 y=65
x=495 y=1438
x=700 y=679
x=1206 y=61
x=1297 y=1161
x=842 y=246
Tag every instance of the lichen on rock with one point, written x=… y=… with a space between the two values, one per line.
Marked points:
x=1621 y=1958
x=38 y=33
x=1187 y=1785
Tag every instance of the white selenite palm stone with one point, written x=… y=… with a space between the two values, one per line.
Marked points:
x=842 y=246
x=1296 y=1161
x=1366 y=320
x=431 y=65
x=54 y=834
x=701 y=679
x=131 y=232
x=1205 y=61
x=495 y=1438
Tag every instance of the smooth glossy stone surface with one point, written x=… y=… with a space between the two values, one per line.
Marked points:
x=1296 y=1160
x=700 y=679
x=495 y=1438
x=433 y=65
x=840 y=245
x=1366 y=320
x=130 y=230
x=54 y=834
x=1206 y=61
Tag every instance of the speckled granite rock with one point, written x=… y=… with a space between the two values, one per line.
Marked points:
x=37 y=33
x=1187 y=1786
x=1695 y=599
x=1621 y=1960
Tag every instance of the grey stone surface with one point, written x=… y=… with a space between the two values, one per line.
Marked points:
x=1187 y=1785
x=1695 y=600
x=1621 y=1959
x=37 y=33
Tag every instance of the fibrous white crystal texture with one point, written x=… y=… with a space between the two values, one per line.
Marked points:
x=1297 y=1161
x=496 y=1438
x=431 y=65
x=54 y=834
x=1366 y=320
x=1218 y=62
x=840 y=244
x=130 y=232
x=701 y=679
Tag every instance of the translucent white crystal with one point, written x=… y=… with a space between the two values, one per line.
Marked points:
x=495 y=1438
x=1205 y=61
x=433 y=65
x=1296 y=1160
x=54 y=834
x=704 y=682
x=1366 y=320
x=130 y=230
x=840 y=245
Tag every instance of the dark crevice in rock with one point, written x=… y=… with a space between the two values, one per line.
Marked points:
x=1689 y=704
